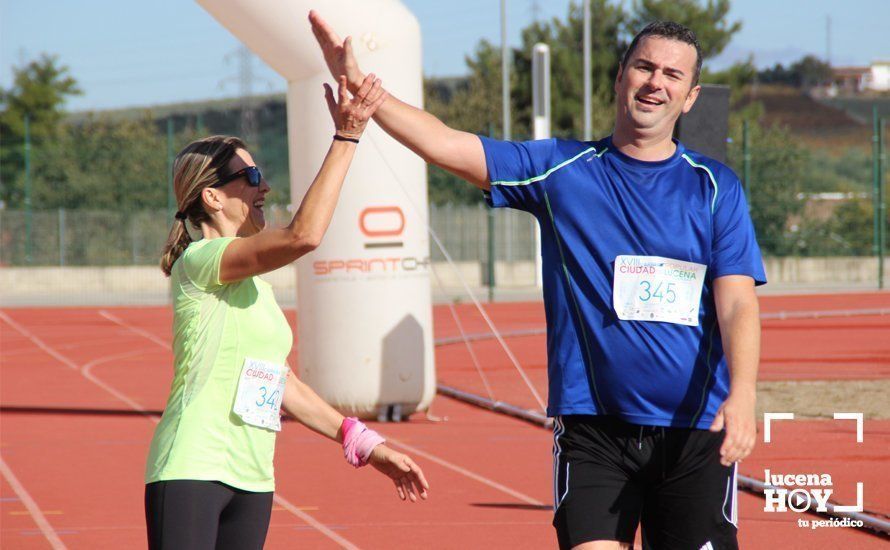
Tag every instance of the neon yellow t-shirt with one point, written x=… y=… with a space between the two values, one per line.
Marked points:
x=215 y=326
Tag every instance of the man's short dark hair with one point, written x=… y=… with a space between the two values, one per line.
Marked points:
x=667 y=29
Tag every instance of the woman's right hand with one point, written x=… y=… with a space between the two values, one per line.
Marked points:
x=351 y=116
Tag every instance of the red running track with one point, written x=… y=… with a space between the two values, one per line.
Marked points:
x=73 y=477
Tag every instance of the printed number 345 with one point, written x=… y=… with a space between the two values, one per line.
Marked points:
x=647 y=293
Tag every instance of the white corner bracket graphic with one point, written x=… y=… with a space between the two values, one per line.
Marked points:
x=852 y=416
x=769 y=417
x=858 y=507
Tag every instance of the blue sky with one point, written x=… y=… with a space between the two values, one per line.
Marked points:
x=127 y=53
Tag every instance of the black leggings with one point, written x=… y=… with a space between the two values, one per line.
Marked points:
x=205 y=515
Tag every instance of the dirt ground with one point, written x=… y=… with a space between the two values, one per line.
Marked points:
x=822 y=398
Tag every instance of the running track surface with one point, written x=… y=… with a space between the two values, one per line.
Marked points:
x=72 y=476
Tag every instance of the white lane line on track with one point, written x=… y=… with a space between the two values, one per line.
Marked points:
x=38 y=342
x=280 y=500
x=141 y=332
x=463 y=471
x=85 y=370
x=284 y=503
x=32 y=507
x=61 y=348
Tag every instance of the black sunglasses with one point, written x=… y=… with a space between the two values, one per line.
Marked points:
x=253 y=174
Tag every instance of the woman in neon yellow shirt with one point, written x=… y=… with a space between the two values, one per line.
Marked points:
x=209 y=477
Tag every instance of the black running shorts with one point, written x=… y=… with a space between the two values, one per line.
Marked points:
x=610 y=476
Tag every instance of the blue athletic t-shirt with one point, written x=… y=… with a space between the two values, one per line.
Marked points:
x=593 y=204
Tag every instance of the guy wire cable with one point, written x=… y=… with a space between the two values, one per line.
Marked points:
x=463 y=282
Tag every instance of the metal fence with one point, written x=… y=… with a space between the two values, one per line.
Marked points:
x=66 y=237
x=463 y=230
x=81 y=237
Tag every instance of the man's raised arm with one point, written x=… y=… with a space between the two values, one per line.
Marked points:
x=453 y=150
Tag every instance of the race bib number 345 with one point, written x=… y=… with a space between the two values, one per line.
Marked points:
x=260 y=389
x=652 y=288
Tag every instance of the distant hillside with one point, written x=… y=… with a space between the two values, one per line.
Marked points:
x=185 y=107
x=223 y=116
x=814 y=122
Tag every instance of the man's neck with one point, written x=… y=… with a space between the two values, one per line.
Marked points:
x=642 y=145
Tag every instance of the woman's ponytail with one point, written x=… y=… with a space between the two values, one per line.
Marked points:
x=177 y=241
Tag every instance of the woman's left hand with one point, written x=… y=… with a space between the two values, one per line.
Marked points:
x=405 y=474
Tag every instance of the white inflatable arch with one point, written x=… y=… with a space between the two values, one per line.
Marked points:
x=363 y=297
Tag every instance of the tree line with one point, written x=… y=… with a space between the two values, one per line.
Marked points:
x=99 y=161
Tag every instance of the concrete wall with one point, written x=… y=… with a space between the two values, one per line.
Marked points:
x=824 y=270
x=21 y=286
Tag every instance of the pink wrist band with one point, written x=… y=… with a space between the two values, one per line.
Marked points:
x=358 y=441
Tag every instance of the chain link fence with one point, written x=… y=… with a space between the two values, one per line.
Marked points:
x=65 y=237
x=829 y=224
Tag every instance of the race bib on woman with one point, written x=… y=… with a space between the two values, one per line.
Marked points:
x=652 y=288
x=260 y=390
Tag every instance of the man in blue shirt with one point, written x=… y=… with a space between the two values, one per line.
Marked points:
x=650 y=263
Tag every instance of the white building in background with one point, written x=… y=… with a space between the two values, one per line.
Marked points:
x=854 y=80
x=877 y=79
